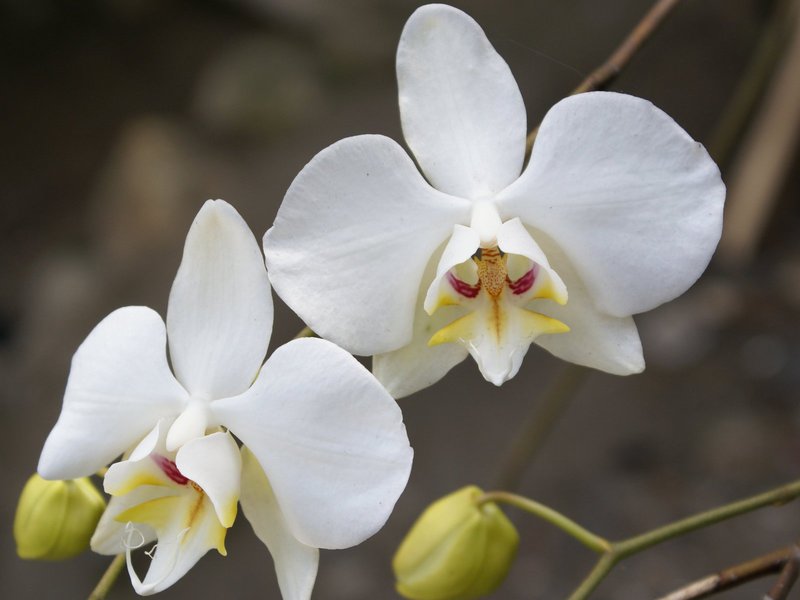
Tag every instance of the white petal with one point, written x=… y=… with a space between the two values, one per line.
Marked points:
x=213 y=462
x=461 y=110
x=351 y=241
x=295 y=563
x=119 y=386
x=220 y=308
x=417 y=365
x=461 y=246
x=330 y=439
x=595 y=339
x=634 y=202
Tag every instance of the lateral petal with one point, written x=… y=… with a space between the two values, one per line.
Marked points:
x=295 y=563
x=330 y=439
x=119 y=386
x=635 y=203
x=220 y=308
x=460 y=107
x=351 y=241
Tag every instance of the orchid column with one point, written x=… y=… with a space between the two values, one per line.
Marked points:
x=617 y=211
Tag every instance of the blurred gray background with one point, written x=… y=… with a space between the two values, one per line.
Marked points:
x=119 y=118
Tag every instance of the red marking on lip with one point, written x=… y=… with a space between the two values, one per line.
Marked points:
x=462 y=287
x=524 y=283
x=170 y=469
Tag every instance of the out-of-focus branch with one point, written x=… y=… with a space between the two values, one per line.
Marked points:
x=768 y=564
x=608 y=71
x=534 y=431
x=770 y=48
x=764 y=161
x=787 y=578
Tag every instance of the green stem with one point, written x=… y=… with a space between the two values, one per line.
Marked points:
x=109 y=577
x=304 y=332
x=568 y=526
x=628 y=547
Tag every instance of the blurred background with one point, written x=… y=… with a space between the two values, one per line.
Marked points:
x=120 y=117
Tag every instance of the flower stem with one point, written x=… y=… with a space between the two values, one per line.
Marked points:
x=109 y=577
x=623 y=549
x=608 y=71
x=568 y=526
x=304 y=332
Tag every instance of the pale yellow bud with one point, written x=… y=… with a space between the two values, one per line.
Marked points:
x=456 y=550
x=56 y=519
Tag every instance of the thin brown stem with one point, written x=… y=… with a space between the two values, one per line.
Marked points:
x=608 y=71
x=733 y=576
x=787 y=578
x=109 y=577
x=534 y=431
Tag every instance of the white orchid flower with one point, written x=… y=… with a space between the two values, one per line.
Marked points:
x=617 y=211
x=330 y=455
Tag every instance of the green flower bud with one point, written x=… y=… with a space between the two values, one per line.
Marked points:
x=456 y=549
x=56 y=519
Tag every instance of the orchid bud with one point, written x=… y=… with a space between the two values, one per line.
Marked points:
x=457 y=549
x=56 y=519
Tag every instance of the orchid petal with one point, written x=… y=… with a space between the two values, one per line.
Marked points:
x=220 y=308
x=595 y=339
x=330 y=439
x=417 y=365
x=351 y=241
x=119 y=386
x=461 y=109
x=634 y=202
x=213 y=462
x=295 y=563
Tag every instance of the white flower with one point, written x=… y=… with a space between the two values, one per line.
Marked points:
x=330 y=455
x=618 y=211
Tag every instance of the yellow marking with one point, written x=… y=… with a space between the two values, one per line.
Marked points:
x=156 y=512
x=229 y=513
x=444 y=299
x=462 y=329
x=545 y=289
x=534 y=324
x=141 y=478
